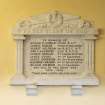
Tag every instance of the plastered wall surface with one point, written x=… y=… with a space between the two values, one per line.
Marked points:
x=12 y=11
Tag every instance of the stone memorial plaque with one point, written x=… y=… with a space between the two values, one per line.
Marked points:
x=53 y=56
x=55 y=49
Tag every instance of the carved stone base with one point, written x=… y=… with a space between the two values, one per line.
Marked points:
x=76 y=84
x=18 y=79
x=77 y=90
x=90 y=79
x=31 y=90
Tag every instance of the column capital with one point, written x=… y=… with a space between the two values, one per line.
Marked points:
x=19 y=37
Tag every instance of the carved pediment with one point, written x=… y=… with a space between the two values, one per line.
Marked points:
x=54 y=22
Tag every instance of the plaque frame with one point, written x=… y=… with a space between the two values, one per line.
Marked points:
x=56 y=23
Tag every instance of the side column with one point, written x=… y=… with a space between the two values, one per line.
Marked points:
x=19 y=78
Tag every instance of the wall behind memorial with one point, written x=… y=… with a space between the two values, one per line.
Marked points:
x=13 y=10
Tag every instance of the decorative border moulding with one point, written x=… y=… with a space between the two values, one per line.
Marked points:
x=55 y=24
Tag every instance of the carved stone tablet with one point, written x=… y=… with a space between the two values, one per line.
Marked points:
x=55 y=49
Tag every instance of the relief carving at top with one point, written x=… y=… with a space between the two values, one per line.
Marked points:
x=54 y=22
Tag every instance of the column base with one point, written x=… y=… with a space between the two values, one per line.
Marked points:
x=18 y=79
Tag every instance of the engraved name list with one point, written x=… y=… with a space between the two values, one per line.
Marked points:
x=54 y=55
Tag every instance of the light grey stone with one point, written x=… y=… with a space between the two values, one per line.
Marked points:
x=55 y=49
x=31 y=90
x=77 y=90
